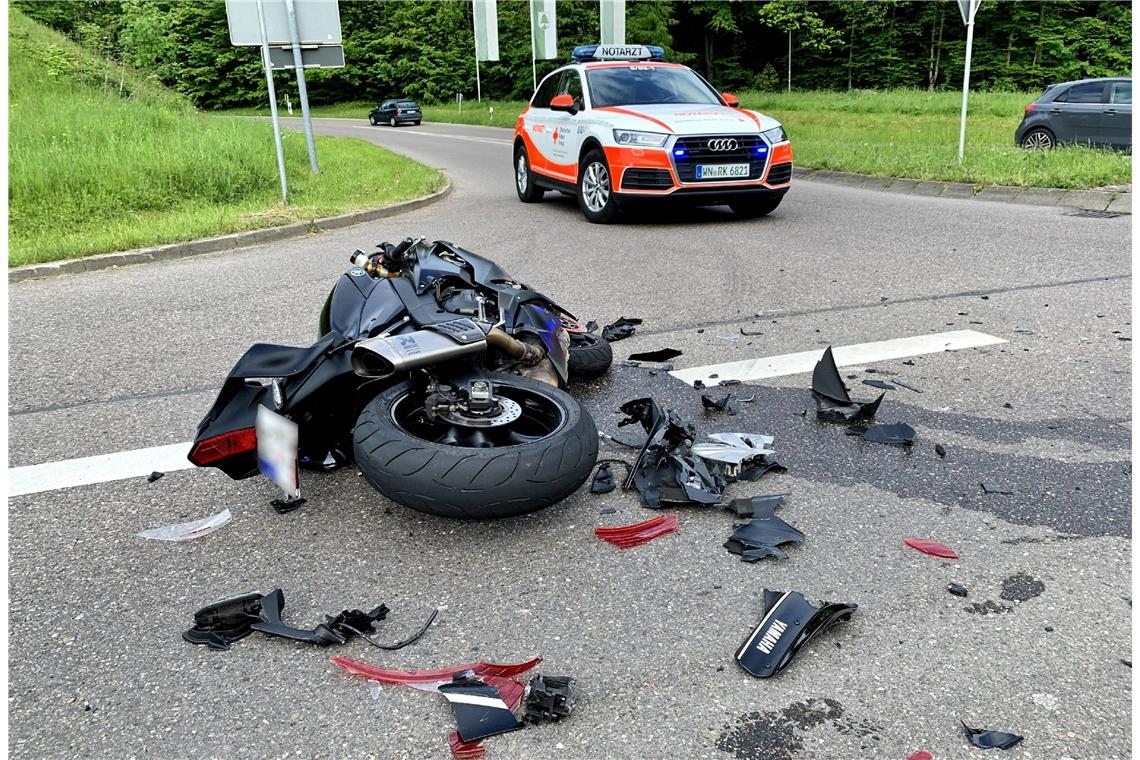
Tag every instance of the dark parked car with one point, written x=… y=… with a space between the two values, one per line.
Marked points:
x=395 y=112
x=1088 y=112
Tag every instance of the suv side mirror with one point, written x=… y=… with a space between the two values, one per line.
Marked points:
x=730 y=100
x=563 y=102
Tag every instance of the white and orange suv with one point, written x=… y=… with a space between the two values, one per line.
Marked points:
x=619 y=124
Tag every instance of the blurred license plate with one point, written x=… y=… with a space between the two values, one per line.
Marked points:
x=722 y=171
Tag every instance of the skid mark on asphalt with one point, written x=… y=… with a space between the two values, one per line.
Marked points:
x=859 y=353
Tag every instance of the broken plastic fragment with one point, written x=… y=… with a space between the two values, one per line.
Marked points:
x=749 y=507
x=714 y=405
x=759 y=537
x=902 y=384
x=479 y=708
x=219 y=624
x=188 y=531
x=789 y=622
x=995 y=488
x=921 y=755
x=154 y=476
x=661 y=355
x=285 y=506
x=986 y=739
x=940 y=450
x=666 y=468
x=549 y=699
x=931 y=547
x=832 y=402
x=898 y=434
x=881 y=384
x=957 y=589
x=621 y=329
x=744 y=456
x=627 y=536
x=603 y=479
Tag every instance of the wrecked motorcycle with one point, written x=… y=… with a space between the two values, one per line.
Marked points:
x=436 y=372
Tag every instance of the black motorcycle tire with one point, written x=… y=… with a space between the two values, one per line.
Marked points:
x=475 y=483
x=590 y=356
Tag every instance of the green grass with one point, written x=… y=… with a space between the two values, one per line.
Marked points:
x=894 y=133
x=94 y=171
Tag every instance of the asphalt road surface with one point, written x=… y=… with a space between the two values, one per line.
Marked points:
x=130 y=359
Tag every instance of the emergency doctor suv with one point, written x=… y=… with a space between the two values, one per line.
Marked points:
x=619 y=124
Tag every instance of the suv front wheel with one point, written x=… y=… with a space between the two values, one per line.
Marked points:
x=595 y=188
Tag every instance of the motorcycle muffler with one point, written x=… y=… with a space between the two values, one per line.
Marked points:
x=386 y=356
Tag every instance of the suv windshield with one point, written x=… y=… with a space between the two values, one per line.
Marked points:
x=644 y=85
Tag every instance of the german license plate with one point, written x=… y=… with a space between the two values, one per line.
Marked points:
x=722 y=171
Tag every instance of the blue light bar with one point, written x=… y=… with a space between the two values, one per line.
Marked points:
x=618 y=53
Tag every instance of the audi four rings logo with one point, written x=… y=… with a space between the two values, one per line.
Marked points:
x=721 y=145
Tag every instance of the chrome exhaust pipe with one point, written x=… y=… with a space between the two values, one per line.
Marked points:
x=387 y=356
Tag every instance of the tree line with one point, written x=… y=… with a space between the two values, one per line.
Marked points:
x=424 y=49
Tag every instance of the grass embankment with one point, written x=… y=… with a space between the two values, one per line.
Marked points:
x=100 y=160
x=894 y=133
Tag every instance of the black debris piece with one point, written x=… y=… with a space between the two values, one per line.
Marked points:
x=285 y=506
x=908 y=386
x=1126 y=663
x=832 y=402
x=986 y=739
x=995 y=488
x=881 y=384
x=957 y=589
x=714 y=405
x=761 y=536
x=749 y=507
x=621 y=329
x=154 y=476
x=606 y=511
x=628 y=363
x=787 y=623
x=479 y=708
x=1007 y=405
x=750 y=334
x=898 y=434
x=1048 y=629
x=603 y=479
x=700 y=330
x=698 y=384
x=549 y=699
x=661 y=355
x=666 y=470
x=592 y=326
x=940 y=450
x=854 y=430
x=220 y=624
x=731 y=381
x=909 y=363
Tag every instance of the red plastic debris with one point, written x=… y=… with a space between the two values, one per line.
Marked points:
x=921 y=755
x=502 y=677
x=626 y=536
x=931 y=547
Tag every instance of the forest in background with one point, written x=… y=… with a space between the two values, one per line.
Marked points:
x=424 y=49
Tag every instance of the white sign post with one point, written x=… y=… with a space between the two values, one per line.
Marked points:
x=969 y=9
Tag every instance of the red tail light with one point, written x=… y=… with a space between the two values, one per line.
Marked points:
x=223 y=446
x=1030 y=107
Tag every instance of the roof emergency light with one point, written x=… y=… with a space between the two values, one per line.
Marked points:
x=618 y=53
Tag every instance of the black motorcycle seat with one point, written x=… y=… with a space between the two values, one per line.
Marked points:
x=270 y=360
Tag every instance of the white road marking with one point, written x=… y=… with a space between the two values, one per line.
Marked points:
x=446 y=136
x=859 y=353
x=139 y=463
x=98 y=469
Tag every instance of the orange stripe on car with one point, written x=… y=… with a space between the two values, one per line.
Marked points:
x=782 y=153
x=615 y=109
x=541 y=164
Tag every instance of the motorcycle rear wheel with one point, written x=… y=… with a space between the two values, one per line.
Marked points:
x=477 y=474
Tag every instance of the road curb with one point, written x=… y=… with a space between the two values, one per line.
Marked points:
x=230 y=242
x=1095 y=200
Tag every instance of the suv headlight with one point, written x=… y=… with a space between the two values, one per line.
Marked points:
x=640 y=139
x=776 y=135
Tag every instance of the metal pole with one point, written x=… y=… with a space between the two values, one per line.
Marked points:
x=966 y=87
x=533 y=52
x=272 y=103
x=478 y=88
x=302 y=91
x=789 y=60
